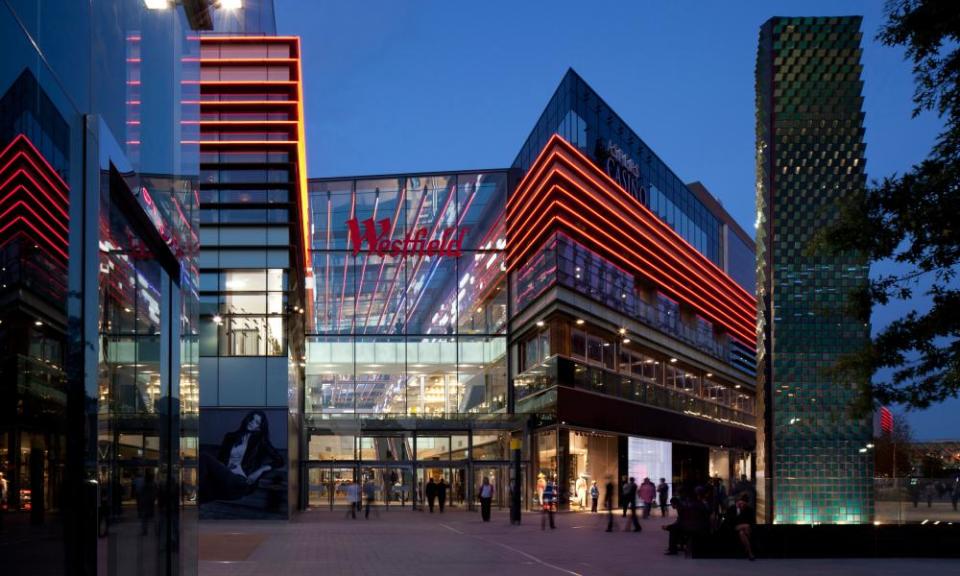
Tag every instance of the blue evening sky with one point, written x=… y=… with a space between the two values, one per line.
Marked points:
x=417 y=86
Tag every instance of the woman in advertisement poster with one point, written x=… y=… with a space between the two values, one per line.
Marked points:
x=245 y=455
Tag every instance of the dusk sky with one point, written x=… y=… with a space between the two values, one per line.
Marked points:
x=417 y=86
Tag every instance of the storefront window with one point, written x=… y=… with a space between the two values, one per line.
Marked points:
x=546 y=461
x=592 y=458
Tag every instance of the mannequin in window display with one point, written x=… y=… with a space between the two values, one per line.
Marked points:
x=581 y=486
x=541 y=486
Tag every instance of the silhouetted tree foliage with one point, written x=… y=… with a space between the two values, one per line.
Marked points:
x=912 y=219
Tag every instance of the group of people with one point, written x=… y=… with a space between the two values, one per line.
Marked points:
x=698 y=521
x=361 y=499
x=935 y=490
x=436 y=493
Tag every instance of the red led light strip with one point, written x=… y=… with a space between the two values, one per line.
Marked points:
x=557 y=145
x=543 y=200
x=34 y=197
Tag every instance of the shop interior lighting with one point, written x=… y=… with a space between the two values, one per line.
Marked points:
x=579 y=322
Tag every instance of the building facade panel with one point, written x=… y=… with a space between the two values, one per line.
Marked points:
x=814 y=460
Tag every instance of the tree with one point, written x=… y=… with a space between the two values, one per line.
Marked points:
x=914 y=220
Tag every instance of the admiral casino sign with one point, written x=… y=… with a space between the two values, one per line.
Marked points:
x=377 y=236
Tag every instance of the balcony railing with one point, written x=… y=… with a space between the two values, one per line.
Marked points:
x=562 y=371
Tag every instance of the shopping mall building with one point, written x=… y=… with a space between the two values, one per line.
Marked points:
x=584 y=301
x=172 y=279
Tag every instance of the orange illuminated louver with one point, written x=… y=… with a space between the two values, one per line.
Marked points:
x=292 y=91
x=565 y=191
x=34 y=200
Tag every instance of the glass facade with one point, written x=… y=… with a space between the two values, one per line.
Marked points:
x=99 y=442
x=578 y=114
x=408 y=333
x=814 y=465
x=565 y=262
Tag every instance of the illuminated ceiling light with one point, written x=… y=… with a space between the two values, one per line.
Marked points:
x=622 y=330
x=38 y=323
x=869 y=445
x=156 y=4
x=540 y=323
x=672 y=360
x=231 y=4
x=579 y=322
x=737 y=386
x=626 y=340
x=217 y=319
x=127 y=310
x=709 y=374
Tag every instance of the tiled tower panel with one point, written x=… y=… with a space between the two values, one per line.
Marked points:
x=810 y=156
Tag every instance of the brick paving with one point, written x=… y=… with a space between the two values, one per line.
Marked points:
x=401 y=542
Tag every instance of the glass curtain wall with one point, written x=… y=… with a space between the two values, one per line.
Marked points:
x=578 y=114
x=406 y=330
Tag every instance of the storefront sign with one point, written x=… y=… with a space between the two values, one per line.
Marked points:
x=414 y=243
x=622 y=168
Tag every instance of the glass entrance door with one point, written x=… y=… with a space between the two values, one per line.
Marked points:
x=499 y=477
x=328 y=486
x=454 y=480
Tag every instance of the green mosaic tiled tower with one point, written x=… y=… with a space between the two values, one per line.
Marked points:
x=813 y=464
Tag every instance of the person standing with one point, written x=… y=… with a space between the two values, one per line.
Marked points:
x=663 y=493
x=431 y=491
x=549 y=501
x=632 y=503
x=595 y=496
x=648 y=492
x=486 y=497
x=3 y=499
x=442 y=494
x=955 y=493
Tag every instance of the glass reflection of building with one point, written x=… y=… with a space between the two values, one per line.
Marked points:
x=98 y=287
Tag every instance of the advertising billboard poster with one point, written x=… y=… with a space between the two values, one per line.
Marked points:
x=243 y=463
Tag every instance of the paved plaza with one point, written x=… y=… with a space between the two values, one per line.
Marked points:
x=402 y=542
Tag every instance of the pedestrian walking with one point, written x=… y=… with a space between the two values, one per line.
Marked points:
x=145 y=490
x=369 y=494
x=632 y=504
x=595 y=495
x=608 y=489
x=549 y=503
x=647 y=492
x=441 y=494
x=353 y=498
x=486 y=497
x=431 y=491
x=930 y=492
x=663 y=493
x=624 y=489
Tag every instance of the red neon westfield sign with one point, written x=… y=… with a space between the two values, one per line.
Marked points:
x=415 y=243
